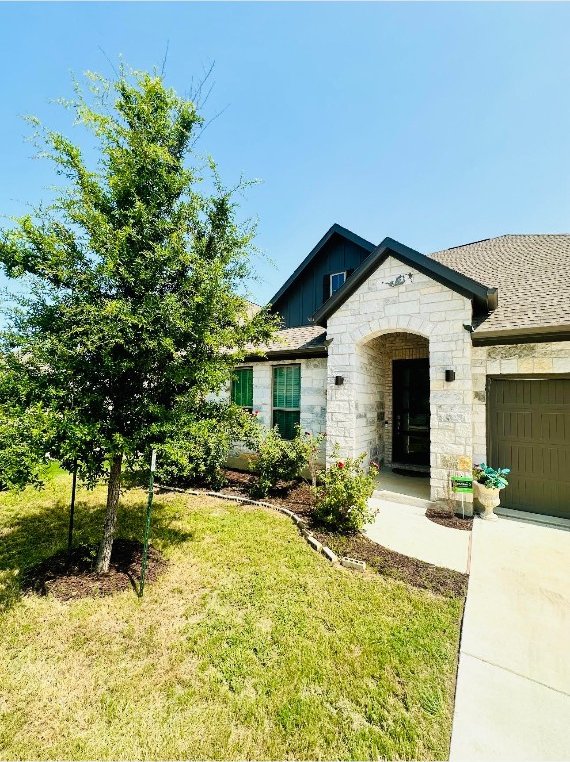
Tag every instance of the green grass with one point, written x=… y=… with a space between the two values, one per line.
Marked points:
x=249 y=646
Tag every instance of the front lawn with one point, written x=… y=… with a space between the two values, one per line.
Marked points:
x=248 y=645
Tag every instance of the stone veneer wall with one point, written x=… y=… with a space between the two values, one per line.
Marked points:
x=370 y=411
x=506 y=359
x=313 y=399
x=313 y=392
x=399 y=299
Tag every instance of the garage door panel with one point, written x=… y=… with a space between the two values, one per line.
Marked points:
x=529 y=432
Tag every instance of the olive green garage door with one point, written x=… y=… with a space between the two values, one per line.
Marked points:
x=528 y=431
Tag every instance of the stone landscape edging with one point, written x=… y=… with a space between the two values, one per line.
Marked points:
x=349 y=563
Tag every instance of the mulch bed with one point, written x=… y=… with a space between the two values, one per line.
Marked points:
x=449 y=519
x=389 y=563
x=54 y=576
x=297 y=497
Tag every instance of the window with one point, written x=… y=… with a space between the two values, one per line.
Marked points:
x=337 y=279
x=242 y=388
x=286 y=399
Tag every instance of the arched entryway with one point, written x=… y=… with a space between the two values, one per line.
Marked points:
x=387 y=320
x=392 y=400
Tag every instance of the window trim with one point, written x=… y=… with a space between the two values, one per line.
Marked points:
x=331 y=276
x=235 y=370
x=285 y=409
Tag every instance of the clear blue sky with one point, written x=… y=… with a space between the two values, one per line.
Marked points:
x=436 y=124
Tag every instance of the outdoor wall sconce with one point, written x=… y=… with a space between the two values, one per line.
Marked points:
x=339 y=380
x=449 y=375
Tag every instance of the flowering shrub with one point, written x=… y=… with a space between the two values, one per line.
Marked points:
x=342 y=498
x=279 y=460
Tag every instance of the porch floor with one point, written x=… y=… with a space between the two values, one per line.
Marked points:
x=412 y=486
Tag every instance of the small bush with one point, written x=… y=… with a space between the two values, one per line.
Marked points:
x=199 y=449
x=342 y=497
x=279 y=460
x=313 y=444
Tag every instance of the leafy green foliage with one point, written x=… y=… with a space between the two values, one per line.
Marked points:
x=201 y=442
x=136 y=271
x=24 y=431
x=313 y=448
x=494 y=478
x=342 y=497
x=279 y=459
x=22 y=446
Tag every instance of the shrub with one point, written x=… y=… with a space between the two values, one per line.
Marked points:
x=342 y=497
x=198 y=450
x=313 y=443
x=493 y=478
x=279 y=460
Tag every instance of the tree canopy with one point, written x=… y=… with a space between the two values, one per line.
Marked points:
x=137 y=270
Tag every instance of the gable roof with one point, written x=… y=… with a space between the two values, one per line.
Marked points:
x=532 y=273
x=311 y=256
x=484 y=297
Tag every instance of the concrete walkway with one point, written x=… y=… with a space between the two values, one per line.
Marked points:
x=404 y=528
x=513 y=684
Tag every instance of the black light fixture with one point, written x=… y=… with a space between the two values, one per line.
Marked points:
x=339 y=380
x=449 y=375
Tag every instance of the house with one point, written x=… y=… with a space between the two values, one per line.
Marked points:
x=428 y=363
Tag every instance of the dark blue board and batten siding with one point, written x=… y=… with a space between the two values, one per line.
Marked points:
x=305 y=296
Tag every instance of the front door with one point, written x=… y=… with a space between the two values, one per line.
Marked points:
x=410 y=403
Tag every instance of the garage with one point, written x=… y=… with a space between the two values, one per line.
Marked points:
x=528 y=431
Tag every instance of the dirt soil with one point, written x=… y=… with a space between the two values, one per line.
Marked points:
x=298 y=497
x=77 y=579
x=448 y=518
x=389 y=563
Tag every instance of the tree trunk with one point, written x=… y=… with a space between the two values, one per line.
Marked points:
x=113 y=491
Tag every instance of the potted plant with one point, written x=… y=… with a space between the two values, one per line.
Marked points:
x=487 y=484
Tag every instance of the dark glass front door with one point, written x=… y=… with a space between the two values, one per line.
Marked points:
x=410 y=402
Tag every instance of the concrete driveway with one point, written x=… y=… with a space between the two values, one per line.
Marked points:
x=513 y=685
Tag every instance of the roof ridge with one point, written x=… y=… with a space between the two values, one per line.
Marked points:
x=497 y=238
x=335 y=229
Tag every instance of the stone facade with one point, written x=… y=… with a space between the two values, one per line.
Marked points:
x=313 y=399
x=313 y=392
x=400 y=313
x=397 y=299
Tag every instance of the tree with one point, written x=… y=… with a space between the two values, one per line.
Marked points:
x=136 y=270
x=25 y=430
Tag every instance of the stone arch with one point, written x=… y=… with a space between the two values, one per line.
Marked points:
x=382 y=325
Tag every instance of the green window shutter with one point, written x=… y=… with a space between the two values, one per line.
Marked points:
x=242 y=387
x=287 y=386
x=286 y=422
x=286 y=399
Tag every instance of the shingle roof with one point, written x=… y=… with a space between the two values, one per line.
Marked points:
x=305 y=338
x=532 y=273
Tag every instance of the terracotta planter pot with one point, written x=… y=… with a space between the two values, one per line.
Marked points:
x=489 y=498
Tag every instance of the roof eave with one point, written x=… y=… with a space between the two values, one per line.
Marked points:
x=521 y=335
x=335 y=229
x=288 y=354
x=484 y=297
